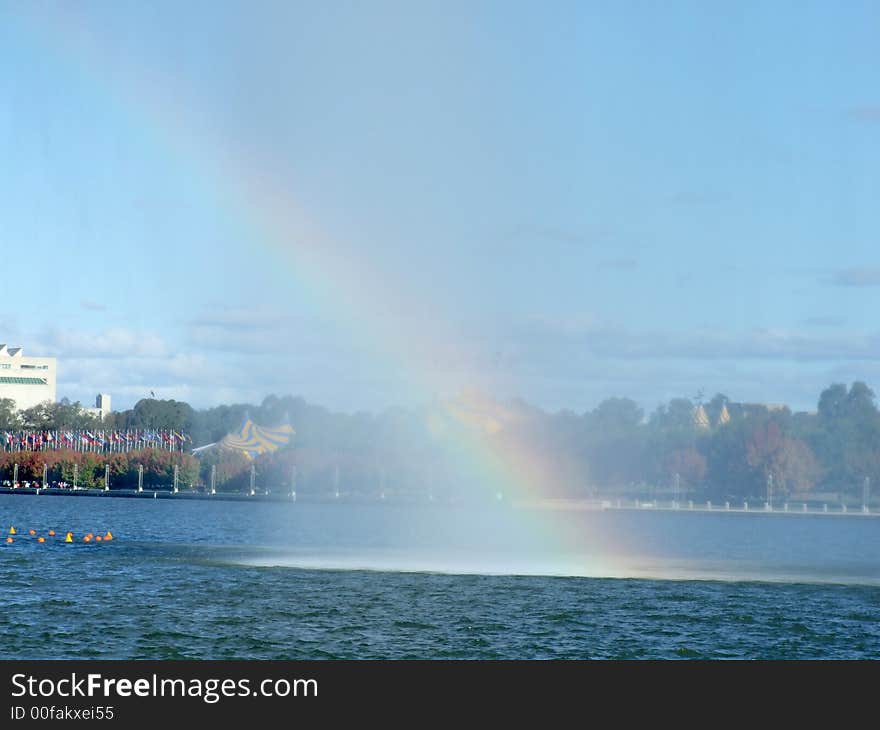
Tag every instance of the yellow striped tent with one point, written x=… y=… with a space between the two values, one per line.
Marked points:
x=253 y=440
x=701 y=420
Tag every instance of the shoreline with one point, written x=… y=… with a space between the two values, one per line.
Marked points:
x=145 y=494
x=635 y=505
x=553 y=505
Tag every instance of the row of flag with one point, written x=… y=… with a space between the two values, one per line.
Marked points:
x=94 y=440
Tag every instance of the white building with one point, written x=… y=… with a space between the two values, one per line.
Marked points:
x=27 y=381
x=102 y=406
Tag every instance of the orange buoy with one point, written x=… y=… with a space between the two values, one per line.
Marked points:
x=41 y=539
x=68 y=537
x=11 y=530
x=87 y=538
x=32 y=532
x=98 y=538
x=9 y=539
x=51 y=533
x=109 y=535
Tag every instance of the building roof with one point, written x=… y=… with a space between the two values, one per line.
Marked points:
x=701 y=420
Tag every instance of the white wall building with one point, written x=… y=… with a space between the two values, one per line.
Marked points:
x=27 y=381
x=102 y=406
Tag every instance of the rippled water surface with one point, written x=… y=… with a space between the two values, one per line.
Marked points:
x=286 y=581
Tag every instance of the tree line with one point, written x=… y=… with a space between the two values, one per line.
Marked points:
x=615 y=448
x=153 y=468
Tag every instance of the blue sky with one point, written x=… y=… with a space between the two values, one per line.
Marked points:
x=579 y=200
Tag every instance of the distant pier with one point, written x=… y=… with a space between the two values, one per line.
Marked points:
x=744 y=507
x=148 y=494
x=793 y=509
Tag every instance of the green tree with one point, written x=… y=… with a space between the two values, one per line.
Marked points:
x=689 y=464
x=729 y=473
x=9 y=417
x=157 y=414
x=620 y=415
x=848 y=436
x=61 y=415
x=677 y=416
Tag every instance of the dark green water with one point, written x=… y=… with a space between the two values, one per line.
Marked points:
x=286 y=581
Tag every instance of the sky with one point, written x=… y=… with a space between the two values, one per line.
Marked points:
x=380 y=204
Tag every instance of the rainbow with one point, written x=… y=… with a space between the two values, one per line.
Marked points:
x=398 y=327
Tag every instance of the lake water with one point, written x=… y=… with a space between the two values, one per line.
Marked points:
x=222 y=580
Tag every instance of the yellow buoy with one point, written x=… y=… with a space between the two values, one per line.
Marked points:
x=69 y=537
x=11 y=530
x=41 y=539
x=109 y=535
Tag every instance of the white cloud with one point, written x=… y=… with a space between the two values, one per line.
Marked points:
x=857 y=276
x=259 y=331
x=111 y=343
x=826 y=320
x=91 y=306
x=868 y=113
x=572 y=362
x=619 y=264
x=549 y=339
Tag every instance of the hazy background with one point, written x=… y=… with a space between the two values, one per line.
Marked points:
x=377 y=204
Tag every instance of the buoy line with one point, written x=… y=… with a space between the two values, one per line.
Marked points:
x=68 y=536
